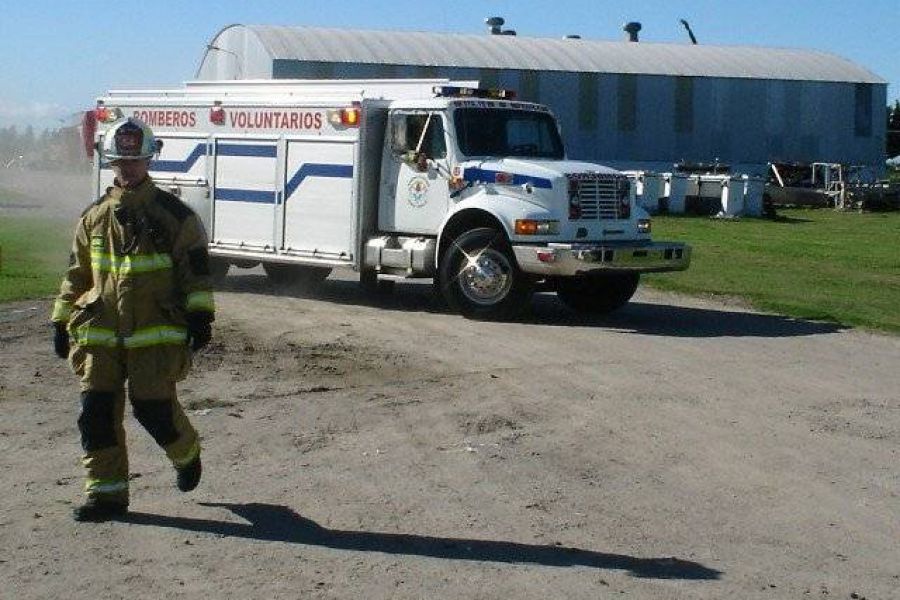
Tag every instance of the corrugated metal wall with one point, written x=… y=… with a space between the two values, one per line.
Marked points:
x=652 y=121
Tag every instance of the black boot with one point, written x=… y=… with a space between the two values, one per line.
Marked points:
x=189 y=475
x=97 y=509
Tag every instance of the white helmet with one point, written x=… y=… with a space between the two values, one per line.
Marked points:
x=129 y=139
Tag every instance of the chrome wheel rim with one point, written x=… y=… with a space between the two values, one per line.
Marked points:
x=485 y=278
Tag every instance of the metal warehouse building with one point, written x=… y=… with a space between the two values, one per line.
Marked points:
x=628 y=104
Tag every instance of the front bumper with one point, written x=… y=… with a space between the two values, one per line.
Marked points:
x=568 y=260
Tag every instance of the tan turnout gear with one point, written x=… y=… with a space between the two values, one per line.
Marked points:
x=138 y=272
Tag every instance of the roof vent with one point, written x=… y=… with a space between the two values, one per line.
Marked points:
x=495 y=26
x=631 y=29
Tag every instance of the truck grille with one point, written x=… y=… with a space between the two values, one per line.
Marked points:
x=599 y=196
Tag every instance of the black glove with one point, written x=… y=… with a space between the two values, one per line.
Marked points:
x=60 y=339
x=199 y=329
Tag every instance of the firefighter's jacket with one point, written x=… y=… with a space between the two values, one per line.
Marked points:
x=139 y=264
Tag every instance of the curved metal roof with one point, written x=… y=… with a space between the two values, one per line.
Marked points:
x=542 y=54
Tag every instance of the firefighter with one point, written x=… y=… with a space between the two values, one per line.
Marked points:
x=135 y=301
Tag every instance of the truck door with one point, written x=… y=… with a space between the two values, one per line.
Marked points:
x=245 y=197
x=414 y=191
x=318 y=198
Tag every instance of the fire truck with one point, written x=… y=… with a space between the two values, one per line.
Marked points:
x=396 y=179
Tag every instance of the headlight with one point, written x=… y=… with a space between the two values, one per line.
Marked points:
x=536 y=227
x=643 y=225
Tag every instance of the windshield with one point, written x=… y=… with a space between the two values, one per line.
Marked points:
x=507 y=132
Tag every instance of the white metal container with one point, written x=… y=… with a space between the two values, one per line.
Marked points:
x=733 y=196
x=754 y=187
x=649 y=188
x=675 y=189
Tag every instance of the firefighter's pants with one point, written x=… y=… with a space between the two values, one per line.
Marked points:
x=150 y=374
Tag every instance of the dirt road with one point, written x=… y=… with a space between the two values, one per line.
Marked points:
x=379 y=448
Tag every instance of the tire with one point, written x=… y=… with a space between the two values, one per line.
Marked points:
x=295 y=275
x=599 y=294
x=489 y=286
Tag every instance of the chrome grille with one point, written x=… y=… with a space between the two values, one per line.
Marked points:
x=598 y=195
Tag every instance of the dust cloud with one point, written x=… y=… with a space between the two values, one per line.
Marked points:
x=45 y=193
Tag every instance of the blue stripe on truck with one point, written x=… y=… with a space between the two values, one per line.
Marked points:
x=183 y=166
x=236 y=195
x=179 y=166
x=305 y=170
x=264 y=151
x=316 y=170
x=258 y=151
x=475 y=175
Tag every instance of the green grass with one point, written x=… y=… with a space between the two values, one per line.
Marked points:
x=811 y=264
x=35 y=252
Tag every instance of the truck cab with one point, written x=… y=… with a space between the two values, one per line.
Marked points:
x=483 y=182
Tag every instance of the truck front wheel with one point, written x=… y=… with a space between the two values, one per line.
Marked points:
x=599 y=294
x=479 y=277
x=299 y=275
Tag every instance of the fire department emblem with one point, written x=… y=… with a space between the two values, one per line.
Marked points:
x=418 y=192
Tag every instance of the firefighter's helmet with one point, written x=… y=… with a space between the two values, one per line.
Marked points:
x=129 y=139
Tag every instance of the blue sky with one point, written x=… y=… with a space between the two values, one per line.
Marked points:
x=56 y=57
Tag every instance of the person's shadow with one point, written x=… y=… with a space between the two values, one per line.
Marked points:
x=268 y=522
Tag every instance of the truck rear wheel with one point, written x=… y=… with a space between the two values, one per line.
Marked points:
x=479 y=277
x=299 y=275
x=599 y=294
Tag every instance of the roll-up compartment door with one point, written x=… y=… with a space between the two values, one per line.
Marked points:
x=245 y=194
x=318 y=196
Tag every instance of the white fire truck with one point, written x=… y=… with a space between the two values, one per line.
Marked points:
x=397 y=178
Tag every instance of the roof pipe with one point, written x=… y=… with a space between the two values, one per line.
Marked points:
x=689 y=32
x=631 y=31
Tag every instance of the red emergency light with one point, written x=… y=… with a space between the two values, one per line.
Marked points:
x=350 y=116
x=217 y=114
x=105 y=114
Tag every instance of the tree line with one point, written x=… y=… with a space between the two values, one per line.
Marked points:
x=60 y=148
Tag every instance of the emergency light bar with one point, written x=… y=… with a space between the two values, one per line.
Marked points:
x=445 y=91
